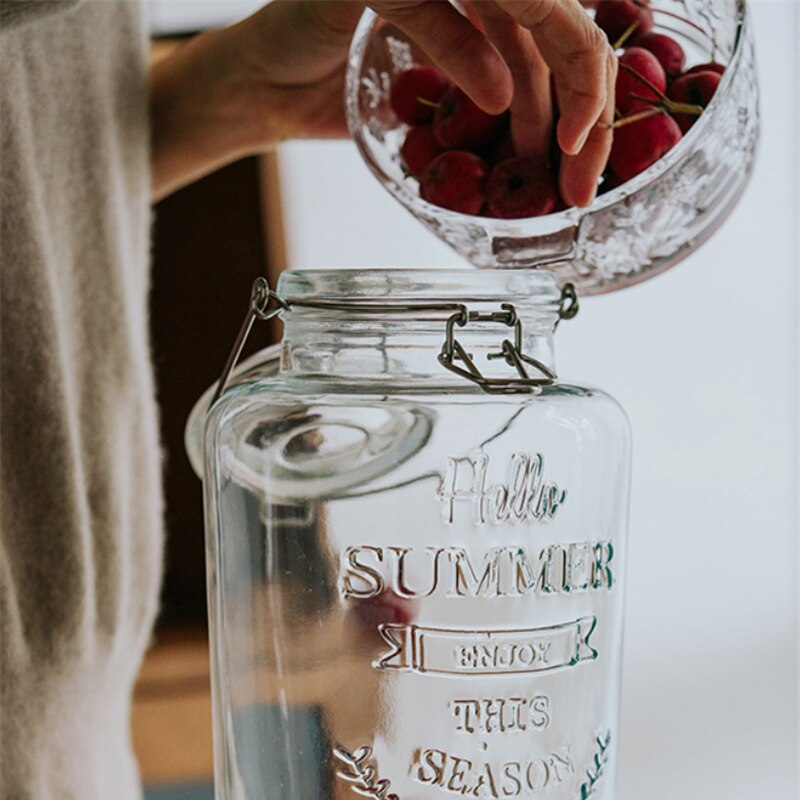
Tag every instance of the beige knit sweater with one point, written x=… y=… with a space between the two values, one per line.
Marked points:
x=80 y=521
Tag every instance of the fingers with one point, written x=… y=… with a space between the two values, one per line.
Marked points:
x=580 y=173
x=456 y=46
x=584 y=70
x=535 y=37
x=531 y=106
x=577 y=52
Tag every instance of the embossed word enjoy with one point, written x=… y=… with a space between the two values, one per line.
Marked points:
x=525 y=497
x=447 y=651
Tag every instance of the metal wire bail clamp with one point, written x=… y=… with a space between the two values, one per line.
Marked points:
x=265 y=304
x=512 y=353
x=260 y=297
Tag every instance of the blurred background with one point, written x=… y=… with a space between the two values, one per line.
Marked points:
x=704 y=359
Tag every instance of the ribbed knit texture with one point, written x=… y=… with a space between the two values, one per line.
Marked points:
x=80 y=520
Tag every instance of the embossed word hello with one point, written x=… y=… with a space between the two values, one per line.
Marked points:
x=525 y=497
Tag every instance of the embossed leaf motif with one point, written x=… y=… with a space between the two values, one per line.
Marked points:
x=376 y=128
x=400 y=54
x=376 y=86
x=362 y=775
x=599 y=760
x=614 y=243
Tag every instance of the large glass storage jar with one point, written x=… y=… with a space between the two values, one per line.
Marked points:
x=416 y=584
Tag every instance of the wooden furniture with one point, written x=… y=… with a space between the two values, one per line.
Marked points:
x=210 y=241
x=171 y=721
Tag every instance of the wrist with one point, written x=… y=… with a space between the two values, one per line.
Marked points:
x=204 y=111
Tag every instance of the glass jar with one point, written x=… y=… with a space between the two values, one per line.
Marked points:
x=416 y=546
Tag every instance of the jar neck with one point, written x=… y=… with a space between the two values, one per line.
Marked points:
x=405 y=345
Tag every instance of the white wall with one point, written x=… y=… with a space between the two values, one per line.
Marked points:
x=704 y=358
x=172 y=17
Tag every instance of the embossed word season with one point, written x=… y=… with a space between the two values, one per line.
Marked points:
x=492 y=780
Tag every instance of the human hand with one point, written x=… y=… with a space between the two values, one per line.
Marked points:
x=280 y=73
x=502 y=56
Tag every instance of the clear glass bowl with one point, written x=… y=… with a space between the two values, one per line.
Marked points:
x=627 y=235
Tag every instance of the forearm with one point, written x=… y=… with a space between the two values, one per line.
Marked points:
x=199 y=98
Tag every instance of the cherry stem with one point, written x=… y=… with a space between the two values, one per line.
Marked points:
x=637 y=74
x=673 y=106
x=626 y=35
x=639 y=115
x=423 y=101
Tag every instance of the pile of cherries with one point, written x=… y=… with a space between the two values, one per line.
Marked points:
x=464 y=158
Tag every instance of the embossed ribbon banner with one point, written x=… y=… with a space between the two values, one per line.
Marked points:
x=446 y=651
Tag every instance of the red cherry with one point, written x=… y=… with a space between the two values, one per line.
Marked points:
x=637 y=64
x=455 y=180
x=521 y=187
x=668 y=52
x=616 y=16
x=386 y=608
x=639 y=144
x=419 y=148
x=696 y=88
x=460 y=125
x=711 y=66
x=409 y=88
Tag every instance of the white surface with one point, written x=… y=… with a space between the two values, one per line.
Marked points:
x=170 y=17
x=704 y=359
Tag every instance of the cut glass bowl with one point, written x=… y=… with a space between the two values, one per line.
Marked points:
x=628 y=234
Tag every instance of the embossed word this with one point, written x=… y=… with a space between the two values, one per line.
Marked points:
x=501 y=714
x=525 y=497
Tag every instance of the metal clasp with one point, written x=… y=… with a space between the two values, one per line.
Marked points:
x=260 y=297
x=452 y=350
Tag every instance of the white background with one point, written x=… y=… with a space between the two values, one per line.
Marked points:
x=705 y=360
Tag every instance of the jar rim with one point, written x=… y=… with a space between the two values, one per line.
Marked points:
x=528 y=287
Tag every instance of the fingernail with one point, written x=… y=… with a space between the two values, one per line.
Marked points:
x=581 y=142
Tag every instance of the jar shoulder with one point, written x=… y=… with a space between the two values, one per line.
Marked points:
x=568 y=405
x=330 y=443
x=591 y=400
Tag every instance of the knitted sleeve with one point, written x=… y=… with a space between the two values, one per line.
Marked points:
x=19 y=12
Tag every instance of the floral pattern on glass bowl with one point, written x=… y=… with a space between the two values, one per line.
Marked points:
x=628 y=234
